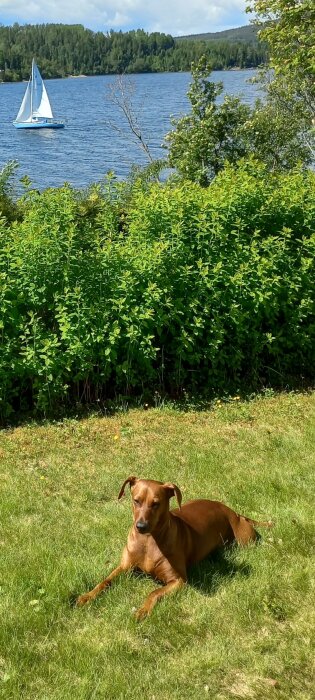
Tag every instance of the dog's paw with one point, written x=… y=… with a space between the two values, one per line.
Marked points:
x=141 y=613
x=82 y=600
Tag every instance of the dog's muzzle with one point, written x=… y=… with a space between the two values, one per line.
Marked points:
x=142 y=527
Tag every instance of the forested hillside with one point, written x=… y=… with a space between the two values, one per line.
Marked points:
x=63 y=50
x=246 y=34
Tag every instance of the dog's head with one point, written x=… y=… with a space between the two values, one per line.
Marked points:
x=150 y=502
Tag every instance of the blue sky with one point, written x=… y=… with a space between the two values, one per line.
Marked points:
x=175 y=17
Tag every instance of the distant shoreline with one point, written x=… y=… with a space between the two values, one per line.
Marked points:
x=234 y=69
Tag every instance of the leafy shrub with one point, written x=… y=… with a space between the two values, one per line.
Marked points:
x=168 y=287
x=8 y=207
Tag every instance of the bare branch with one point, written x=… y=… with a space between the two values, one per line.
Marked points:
x=121 y=94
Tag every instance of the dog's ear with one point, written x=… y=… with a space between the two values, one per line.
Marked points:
x=173 y=490
x=131 y=480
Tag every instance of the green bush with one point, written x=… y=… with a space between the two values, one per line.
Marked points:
x=170 y=287
x=8 y=207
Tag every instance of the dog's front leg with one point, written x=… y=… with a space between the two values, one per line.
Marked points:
x=124 y=565
x=158 y=593
x=91 y=595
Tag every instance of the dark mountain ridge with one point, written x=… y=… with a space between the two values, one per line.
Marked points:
x=247 y=33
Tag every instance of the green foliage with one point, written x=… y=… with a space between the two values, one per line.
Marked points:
x=63 y=50
x=279 y=131
x=211 y=134
x=276 y=131
x=114 y=291
x=289 y=31
x=8 y=208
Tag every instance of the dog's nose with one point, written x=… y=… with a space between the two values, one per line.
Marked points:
x=142 y=526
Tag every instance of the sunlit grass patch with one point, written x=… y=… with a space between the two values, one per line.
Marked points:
x=242 y=627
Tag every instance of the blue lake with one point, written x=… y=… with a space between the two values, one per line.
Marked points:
x=90 y=145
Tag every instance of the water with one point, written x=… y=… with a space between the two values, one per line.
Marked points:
x=90 y=146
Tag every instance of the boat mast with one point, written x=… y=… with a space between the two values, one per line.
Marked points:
x=32 y=87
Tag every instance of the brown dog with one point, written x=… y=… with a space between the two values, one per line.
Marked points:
x=164 y=543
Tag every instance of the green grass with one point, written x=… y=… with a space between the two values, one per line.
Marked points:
x=240 y=629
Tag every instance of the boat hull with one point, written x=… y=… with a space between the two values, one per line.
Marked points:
x=39 y=125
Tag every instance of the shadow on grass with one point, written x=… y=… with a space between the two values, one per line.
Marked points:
x=213 y=572
x=180 y=401
x=206 y=577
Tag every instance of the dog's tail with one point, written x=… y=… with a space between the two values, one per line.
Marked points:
x=258 y=523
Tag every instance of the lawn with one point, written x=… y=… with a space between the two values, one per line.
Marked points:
x=241 y=628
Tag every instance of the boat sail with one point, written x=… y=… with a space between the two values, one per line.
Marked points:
x=35 y=111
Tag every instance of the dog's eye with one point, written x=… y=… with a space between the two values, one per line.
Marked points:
x=136 y=502
x=155 y=504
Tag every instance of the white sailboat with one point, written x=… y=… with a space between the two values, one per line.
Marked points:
x=35 y=111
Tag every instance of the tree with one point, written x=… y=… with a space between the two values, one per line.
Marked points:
x=278 y=134
x=121 y=93
x=288 y=27
x=70 y=50
x=211 y=134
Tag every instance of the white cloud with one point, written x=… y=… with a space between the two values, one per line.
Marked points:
x=173 y=16
x=180 y=17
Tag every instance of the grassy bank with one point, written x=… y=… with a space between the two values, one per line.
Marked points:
x=241 y=629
